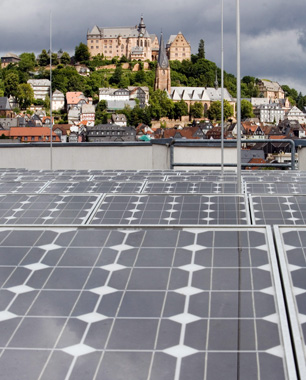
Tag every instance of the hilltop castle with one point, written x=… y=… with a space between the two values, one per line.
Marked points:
x=134 y=42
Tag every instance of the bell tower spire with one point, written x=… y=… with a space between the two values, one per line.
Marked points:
x=162 y=77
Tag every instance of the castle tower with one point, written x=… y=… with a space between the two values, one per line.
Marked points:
x=162 y=76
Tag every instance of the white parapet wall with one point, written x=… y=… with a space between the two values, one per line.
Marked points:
x=204 y=154
x=108 y=156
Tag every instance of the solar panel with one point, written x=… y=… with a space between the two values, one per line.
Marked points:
x=190 y=187
x=142 y=304
x=21 y=187
x=46 y=208
x=275 y=188
x=93 y=187
x=172 y=209
x=278 y=209
x=291 y=246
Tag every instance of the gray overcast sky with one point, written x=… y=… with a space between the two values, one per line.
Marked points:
x=273 y=32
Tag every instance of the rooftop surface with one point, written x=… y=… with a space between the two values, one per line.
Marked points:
x=154 y=275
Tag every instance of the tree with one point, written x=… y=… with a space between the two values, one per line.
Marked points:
x=25 y=95
x=180 y=109
x=117 y=76
x=11 y=83
x=101 y=113
x=65 y=58
x=55 y=61
x=290 y=92
x=101 y=106
x=214 y=112
x=246 y=109
x=81 y=53
x=43 y=59
x=27 y=62
x=197 y=110
x=201 y=49
x=161 y=105
x=300 y=102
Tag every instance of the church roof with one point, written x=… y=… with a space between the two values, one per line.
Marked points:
x=199 y=94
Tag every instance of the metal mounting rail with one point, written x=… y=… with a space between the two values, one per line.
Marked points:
x=231 y=143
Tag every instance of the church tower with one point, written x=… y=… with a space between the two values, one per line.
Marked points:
x=162 y=76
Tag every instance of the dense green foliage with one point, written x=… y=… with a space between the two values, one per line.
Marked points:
x=214 y=112
x=246 y=109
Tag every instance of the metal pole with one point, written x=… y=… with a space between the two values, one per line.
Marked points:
x=238 y=98
x=51 y=126
x=222 y=92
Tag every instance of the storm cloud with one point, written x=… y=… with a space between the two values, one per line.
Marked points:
x=273 y=34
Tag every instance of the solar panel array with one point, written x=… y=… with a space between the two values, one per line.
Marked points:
x=152 y=275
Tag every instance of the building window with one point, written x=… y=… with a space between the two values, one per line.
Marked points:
x=25 y=139
x=91 y=47
x=32 y=138
x=91 y=41
x=97 y=41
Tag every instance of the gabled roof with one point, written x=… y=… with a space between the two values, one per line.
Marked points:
x=271 y=86
x=74 y=97
x=5 y=104
x=11 y=55
x=199 y=93
x=39 y=82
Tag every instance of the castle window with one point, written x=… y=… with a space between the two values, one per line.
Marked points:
x=97 y=41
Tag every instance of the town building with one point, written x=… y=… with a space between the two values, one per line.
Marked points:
x=271 y=90
x=119 y=119
x=269 y=113
x=296 y=114
x=178 y=48
x=133 y=42
x=58 y=100
x=9 y=58
x=5 y=107
x=41 y=88
x=203 y=95
x=140 y=93
x=111 y=132
x=75 y=100
x=62 y=131
x=88 y=114
x=32 y=134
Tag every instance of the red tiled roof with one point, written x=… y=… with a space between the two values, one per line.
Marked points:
x=30 y=131
x=73 y=97
x=277 y=137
